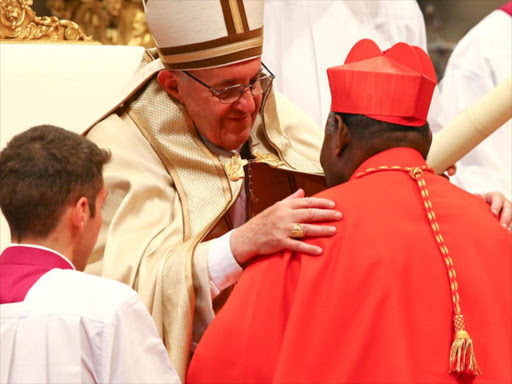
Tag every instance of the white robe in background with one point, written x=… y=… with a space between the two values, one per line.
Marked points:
x=480 y=61
x=305 y=37
x=77 y=328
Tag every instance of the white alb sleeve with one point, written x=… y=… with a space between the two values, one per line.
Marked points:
x=136 y=354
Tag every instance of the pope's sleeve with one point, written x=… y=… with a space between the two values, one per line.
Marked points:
x=142 y=220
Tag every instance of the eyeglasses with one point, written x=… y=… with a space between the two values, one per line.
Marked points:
x=233 y=93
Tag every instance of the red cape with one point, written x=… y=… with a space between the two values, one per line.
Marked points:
x=376 y=306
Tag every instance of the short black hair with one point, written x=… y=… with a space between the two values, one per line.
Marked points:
x=363 y=126
x=366 y=129
x=44 y=169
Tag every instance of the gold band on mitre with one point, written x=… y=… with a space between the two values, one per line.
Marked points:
x=197 y=34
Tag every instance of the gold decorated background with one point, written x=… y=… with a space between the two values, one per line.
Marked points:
x=112 y=22
x=123 y=21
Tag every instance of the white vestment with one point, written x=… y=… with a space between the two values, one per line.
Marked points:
x=168 y=201
x=305 y=37
x=77 y=328
x=480 y=61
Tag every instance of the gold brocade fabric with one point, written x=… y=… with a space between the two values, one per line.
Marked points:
x=185 y=157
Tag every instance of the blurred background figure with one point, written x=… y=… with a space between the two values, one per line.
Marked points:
x=305 y=37
x=480 y=61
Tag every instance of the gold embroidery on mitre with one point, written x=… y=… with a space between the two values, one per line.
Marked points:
x=237 y=18
x=235 y=168
x=269 y=159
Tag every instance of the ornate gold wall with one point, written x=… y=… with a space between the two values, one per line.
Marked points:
x=116 y=22
x=19 y=21
x=107 y=21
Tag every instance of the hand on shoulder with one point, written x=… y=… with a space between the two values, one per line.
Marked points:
x=281 y=227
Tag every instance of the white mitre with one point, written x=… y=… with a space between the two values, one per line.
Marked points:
x=197 y=34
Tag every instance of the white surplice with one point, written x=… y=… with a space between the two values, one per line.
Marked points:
x=77 y=328
x=479 y=62
x=305 y=37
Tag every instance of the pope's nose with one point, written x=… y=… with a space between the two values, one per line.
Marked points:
x=246 y=102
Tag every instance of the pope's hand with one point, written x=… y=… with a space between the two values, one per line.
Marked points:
x=500 y=207
x=272 y=230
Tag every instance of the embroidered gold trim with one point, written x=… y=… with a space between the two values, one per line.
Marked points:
x=170 y=169
x=269 y=159
x=235 y=168
x=228 y=18
x=237 y=19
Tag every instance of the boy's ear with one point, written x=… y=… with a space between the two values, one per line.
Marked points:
x=80 y=213
x=168 y=80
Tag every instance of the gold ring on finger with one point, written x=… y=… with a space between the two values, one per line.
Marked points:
x=297 y=232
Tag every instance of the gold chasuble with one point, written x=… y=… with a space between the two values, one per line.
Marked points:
x=169 y=194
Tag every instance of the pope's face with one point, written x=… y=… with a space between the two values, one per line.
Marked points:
x=226 y=125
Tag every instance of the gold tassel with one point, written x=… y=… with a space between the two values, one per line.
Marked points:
x=462 y=355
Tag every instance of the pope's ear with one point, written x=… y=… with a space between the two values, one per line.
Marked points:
x=342 y=136
x=168 y=80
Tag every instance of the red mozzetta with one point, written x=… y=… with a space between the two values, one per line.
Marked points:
x=376 y=306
